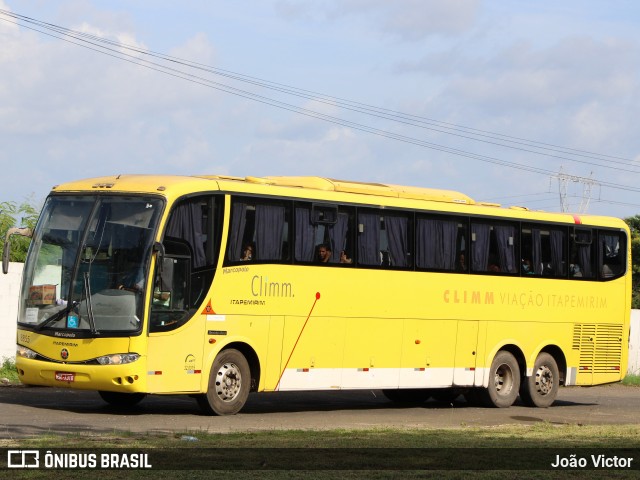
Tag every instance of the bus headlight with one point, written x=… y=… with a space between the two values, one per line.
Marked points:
x=118 y=359
x=25 y=352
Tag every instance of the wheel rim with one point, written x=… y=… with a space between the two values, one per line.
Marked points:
x=503 y=379
x=228 y=382
x=544 y=380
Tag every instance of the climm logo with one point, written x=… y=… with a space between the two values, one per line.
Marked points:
x=262 y=287
x=464 y=296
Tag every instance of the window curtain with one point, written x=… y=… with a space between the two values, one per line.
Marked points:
x=436 y=248
x=505 y=237
x=305 y=236
x=369 y=239
x=536 y=251
x=584 y=254
x=557 y=252
x=238 y=223
x=338 y=236
x=398 y=240
x=186 y=223
x=480 y=237
x=269 y=229
x=611 y=244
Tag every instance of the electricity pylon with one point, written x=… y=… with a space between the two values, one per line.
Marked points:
x=587 y=186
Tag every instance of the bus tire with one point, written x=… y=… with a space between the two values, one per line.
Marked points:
x=504 y=381
x=229 y=384
x=541 y=388
x=408 y=395
x=121 y=399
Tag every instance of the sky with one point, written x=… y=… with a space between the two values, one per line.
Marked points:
x=495 y=99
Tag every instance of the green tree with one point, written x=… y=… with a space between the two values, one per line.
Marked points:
x=634 y=225
x=10 y=212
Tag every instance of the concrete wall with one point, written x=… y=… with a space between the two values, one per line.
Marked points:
x=9 y=293
x=10 y=289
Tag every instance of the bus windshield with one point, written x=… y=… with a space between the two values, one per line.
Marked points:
x=87 y=266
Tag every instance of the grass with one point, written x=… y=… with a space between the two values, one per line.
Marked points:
x=539 y=435
x=8 y=370
x=631 y=380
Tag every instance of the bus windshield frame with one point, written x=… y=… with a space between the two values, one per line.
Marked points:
x=87 y=269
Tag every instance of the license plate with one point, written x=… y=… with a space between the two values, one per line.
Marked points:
x=65 y=376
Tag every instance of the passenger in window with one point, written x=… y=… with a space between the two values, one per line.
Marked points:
x=323 y=253
x=247 y=252
x=344 y=258
x=527 y=269
x=462 y=264
x=494 y=266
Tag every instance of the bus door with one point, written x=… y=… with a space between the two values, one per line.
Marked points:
x=466 y=353
x=176 y=340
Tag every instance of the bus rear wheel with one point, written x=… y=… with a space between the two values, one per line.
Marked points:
x=541 y=388
x=504 y=381
x=120 y=399
x=229 y=384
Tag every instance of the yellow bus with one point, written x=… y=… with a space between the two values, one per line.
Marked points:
x=216 y=286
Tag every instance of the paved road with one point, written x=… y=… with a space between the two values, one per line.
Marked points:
x=30 y=411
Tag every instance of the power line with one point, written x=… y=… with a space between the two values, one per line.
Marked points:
x=90 y=41
x=387 y=114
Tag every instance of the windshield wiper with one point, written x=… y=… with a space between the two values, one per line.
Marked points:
x=87 y=290
x=57 y=316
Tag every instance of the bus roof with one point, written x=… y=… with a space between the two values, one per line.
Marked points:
x=174 y=186
x=347 y=186
x=150 y=183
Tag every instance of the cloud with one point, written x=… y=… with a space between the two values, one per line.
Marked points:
x=408 y=20
x=581 y=89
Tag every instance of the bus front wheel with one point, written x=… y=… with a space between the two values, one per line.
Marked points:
x=229 y=384
x=541 y=388
x=504 y=381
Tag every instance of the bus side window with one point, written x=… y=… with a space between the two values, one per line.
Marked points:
x=582 y=254
x=396 y=237
x=383 y=239
x=369 y=228
x=320 y=225
x=437 y=243
x=494 y=247
x=170 y=302
x=262 y=225
x=612 y=260
x=543 y=251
